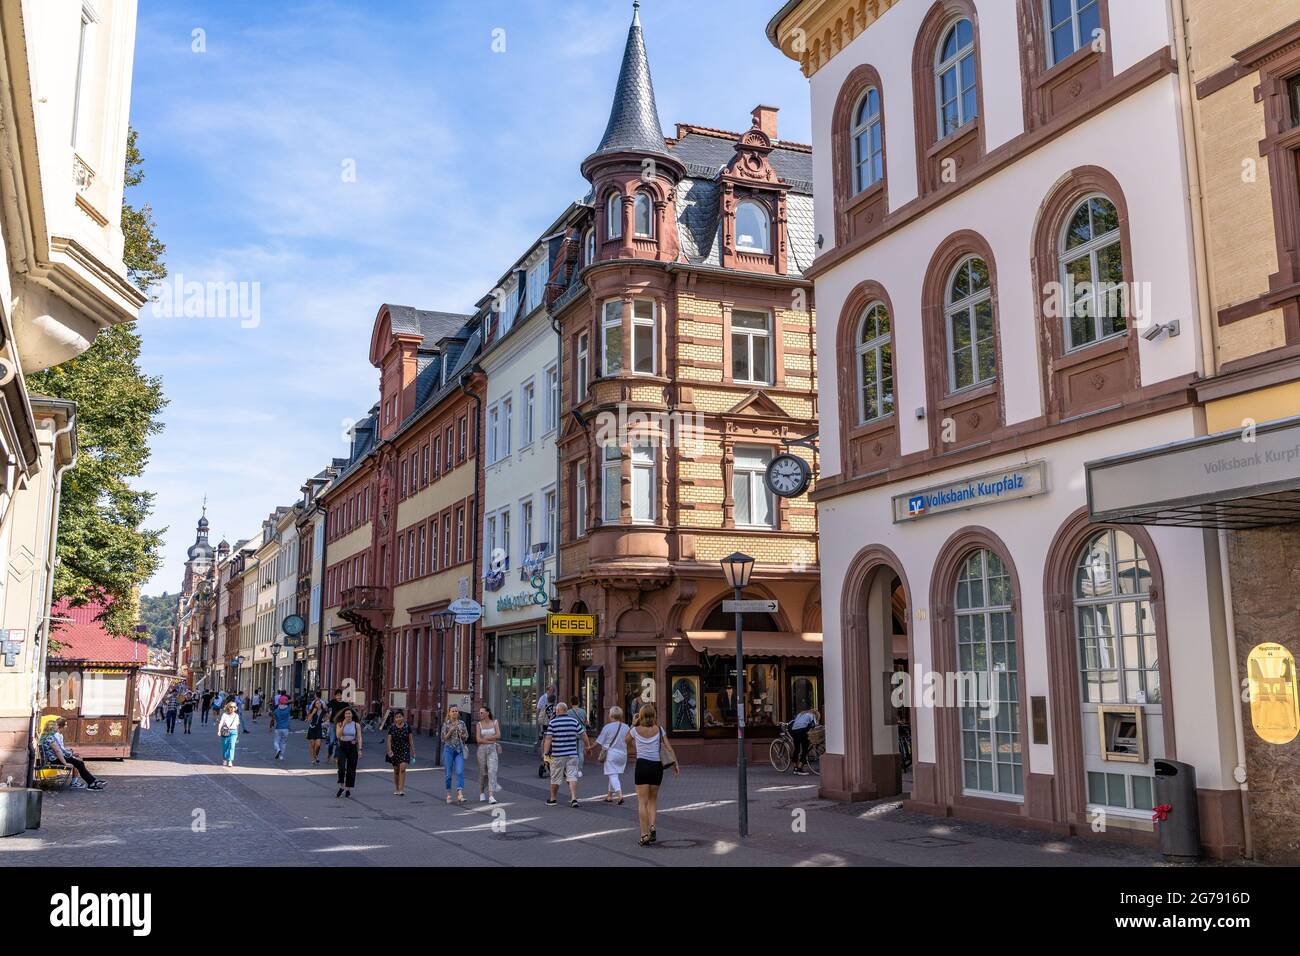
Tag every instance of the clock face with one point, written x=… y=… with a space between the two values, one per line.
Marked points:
x=293 y=625
x=788 y=476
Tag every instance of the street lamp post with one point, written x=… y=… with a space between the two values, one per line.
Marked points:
x=275 y=667
x=737 y=568
x=443 y=622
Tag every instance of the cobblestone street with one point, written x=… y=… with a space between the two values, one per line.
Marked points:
x=176 y=805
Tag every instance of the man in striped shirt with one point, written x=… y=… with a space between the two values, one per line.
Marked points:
x=564 y=735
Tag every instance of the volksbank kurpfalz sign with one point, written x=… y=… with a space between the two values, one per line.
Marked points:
x=1022 y=481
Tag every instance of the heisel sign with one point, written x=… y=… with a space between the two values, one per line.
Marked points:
x=1022 y=481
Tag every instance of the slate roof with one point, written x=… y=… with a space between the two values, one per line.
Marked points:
x=84 y=639
x=634 y=117
x=430 y=326
x=704 y=155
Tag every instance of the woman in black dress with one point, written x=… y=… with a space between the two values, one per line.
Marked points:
x=401 y=750
x=315 y=729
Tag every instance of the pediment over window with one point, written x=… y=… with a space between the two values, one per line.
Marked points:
x=756 y=405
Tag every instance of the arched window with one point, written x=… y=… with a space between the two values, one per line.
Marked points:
x=644 y=217
x=1092 y=273
x=614 y=215
x=868 y=144
x=753 y=233
x=1070 y=26
x=1119 y=663
x=954 y=78
x=992 y=762
x=589 y=247
x=875 y=360
x=1116 y=631
x=968 y=312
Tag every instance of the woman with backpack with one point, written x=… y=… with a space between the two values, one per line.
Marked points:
x=649 y=745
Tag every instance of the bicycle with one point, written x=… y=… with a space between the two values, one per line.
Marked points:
x=781 y=752
x=905 y=746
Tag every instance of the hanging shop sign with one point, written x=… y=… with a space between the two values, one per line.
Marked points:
x=995 y=487
x=571 y=625
x=467 y=610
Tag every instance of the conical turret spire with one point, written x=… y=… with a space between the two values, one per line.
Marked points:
x=633 y=119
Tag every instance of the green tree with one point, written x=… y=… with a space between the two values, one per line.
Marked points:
x=105 y=552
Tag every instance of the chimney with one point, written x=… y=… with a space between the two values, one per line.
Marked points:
x=765 y=120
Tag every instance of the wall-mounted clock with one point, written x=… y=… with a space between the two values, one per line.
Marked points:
x=788 y=476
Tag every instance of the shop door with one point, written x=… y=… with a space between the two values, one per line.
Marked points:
x=637 y=681
x=519 y=704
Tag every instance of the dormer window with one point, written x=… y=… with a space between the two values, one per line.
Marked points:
x=753 y=231
x=644 y=217
x=614 y=215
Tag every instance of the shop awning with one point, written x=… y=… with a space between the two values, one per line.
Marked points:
x=758 y=643
x=1233 y=480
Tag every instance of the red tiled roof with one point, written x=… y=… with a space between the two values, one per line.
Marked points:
x=84 y=639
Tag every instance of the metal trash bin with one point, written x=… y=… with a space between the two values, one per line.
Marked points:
x=1180 y=831
x=34 y=801
x=13 y=810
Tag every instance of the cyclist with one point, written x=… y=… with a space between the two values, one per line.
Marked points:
x=799 y=729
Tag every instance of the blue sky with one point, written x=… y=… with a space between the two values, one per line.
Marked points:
x=462 y=155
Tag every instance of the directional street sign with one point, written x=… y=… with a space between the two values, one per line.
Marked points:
x=748 y=607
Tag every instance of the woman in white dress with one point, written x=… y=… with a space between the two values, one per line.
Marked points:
x=613 y=753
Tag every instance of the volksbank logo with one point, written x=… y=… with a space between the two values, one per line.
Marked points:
x=76 y=909
x=916 y=505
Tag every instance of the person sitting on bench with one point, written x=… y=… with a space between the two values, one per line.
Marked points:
x=54 y=752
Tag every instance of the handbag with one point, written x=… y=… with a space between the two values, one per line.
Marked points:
x=663 y=741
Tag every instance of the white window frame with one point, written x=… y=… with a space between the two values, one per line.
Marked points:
x=640 y=203
x=527 y=407
x=551 y=509
x=611 y=318
x=645 y=464
x=755 y=477
x=614 y=215
x=589 y=247
x=494 y=431
x=858 y=127
x=968 y=305
x=765 y=246
x=1099 y=298
x=580 y=499
x=878 y=344
x=611 y=483
x=551 y=401
x=1076 y=6
x=583 y=372
x=953 y=63
x=85 y=63
x=642 y=322
x=507 y=422
x=749 y=335
x=526 y=516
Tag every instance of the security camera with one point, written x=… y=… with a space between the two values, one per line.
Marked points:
x=1152 y=332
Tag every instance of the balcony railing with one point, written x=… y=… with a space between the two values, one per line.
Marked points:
x=364 y=598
